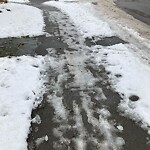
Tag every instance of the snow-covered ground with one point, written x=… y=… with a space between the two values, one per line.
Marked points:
x=19 y=1
x=87 y=24
x=16 y=20
x=134 y=75
x=21 y=87
x=134 y=79
x=21 y=78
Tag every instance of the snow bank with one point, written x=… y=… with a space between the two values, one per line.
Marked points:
x=20 y=84
x=133 y=79
x=16 y=21
x=86 y=23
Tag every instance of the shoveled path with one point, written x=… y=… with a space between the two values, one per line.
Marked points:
x=79 y=108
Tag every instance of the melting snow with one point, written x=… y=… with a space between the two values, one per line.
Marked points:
x=20 y=85
x=87 y=24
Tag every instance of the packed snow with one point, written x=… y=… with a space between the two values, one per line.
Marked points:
x=86 y=23
x=16 y=20
x=21 y=88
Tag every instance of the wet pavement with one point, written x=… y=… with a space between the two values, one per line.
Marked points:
x=140 y=9
x=79 y=109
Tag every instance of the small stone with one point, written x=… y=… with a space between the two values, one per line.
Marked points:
x=134 y=98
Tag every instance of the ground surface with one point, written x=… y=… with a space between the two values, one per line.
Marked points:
x=79 y=108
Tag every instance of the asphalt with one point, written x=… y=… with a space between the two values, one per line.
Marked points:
x=140 y=9
x=70 y=56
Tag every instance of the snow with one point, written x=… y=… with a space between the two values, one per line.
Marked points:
x=41 y=140
x=86 y=23
x=19 y=22
x=21 y=88
x=120 y=127
x=134 y=80
x=60 y=110
x=36 y=119
x=80 y=140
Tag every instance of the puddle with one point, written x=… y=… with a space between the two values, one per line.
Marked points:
x=108 y=41
x=140 y=9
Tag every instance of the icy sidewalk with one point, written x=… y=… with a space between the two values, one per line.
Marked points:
x=129 y=75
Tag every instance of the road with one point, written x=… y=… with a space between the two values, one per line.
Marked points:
x=79 y=108
x=140 y=9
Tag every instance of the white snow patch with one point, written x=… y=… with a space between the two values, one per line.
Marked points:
x=120 y=127
x=41 y=140
x=60 y=110
x=37 y=119
x=134 y=80
x=86 y=23
x=20 y=85
x=19 y=22
x=80 y=140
